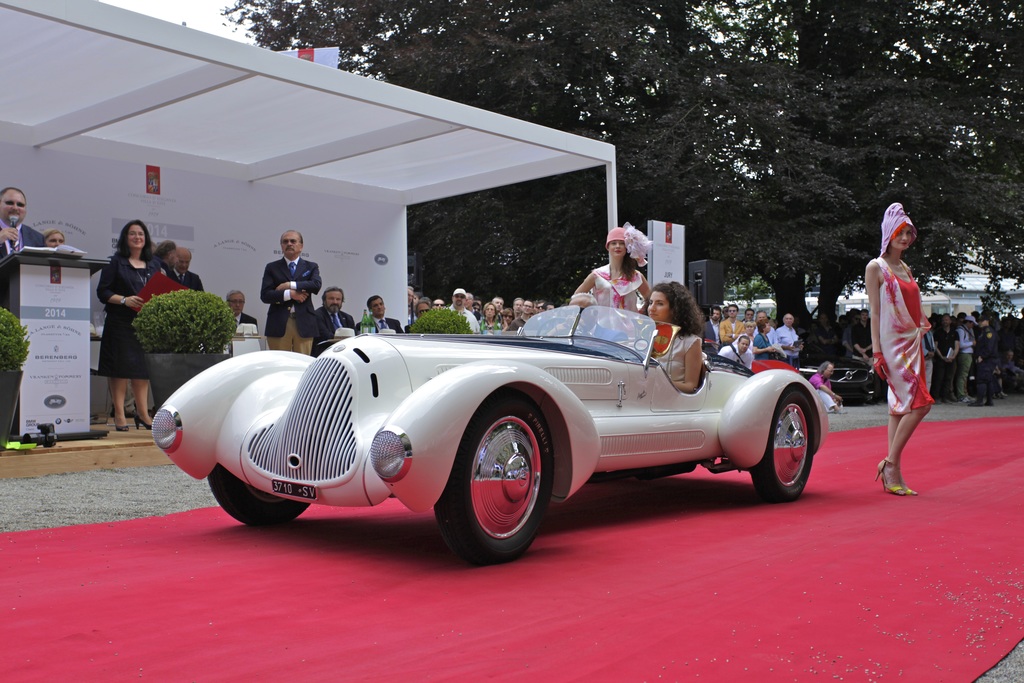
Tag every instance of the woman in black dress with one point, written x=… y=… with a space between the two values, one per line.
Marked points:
x=121 y=357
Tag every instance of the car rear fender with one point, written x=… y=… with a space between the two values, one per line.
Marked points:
x=747 y=415
x=216 y=407
x=435 y=417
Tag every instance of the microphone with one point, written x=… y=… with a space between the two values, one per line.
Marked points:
x=13 y=244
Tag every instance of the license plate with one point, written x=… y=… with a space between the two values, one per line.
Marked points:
x=294 y=489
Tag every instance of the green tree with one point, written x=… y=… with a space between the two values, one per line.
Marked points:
x=599 y=69
x=875 y=102
x=777 y=131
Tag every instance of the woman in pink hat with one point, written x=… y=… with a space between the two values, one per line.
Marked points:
x=620 y=284
x=898 y=326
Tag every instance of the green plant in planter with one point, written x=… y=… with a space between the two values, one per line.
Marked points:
x=185 y=321
x=13 y=342
x=441 y=321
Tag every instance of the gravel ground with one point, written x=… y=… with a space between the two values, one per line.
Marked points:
x=111 y=495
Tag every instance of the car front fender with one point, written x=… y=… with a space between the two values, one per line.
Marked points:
x=217 y=407
x=747 y=416
x=435 y=417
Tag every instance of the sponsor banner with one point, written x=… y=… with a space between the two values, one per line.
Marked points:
x=668 y=261
x=55 y=303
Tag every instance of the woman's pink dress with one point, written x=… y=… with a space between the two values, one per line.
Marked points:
x=901 y=331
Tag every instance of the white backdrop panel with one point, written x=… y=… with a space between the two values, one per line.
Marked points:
x=232 y=227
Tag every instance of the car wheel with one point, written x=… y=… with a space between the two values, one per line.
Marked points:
x=248 y=505
x=781 y=475
x=500 y=483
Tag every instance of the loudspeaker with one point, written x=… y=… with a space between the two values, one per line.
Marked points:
x=707 y=282
x=416 y=271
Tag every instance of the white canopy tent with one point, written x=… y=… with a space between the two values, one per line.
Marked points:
x=90 y=79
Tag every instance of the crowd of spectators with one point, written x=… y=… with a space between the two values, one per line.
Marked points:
x=489 y=316
x=953 y=353
x=484 y=317
x=951 y=356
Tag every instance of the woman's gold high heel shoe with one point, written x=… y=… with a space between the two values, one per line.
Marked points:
x=896 y=490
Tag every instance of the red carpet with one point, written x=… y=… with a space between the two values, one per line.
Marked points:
x=675 y=579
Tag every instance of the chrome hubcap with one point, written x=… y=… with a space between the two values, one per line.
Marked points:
x=790 y=444
x=506 y=477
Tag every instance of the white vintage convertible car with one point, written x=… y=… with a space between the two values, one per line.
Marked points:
x=486 y=430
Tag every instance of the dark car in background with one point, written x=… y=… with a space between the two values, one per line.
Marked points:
x=852 y=379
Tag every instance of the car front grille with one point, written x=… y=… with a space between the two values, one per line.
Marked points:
x=850 y=375
x=314 y=440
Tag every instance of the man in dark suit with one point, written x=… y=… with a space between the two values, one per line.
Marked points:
x=376 y=305
x=181 y=272
x=711 y=326
x=287 y=286
x=236 y=300
x=14 y=235
x=330 y=317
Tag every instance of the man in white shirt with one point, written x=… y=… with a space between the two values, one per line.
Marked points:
x=459 y=306
x=789 y=340
x=472 y=305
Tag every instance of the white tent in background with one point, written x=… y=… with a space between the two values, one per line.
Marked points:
x=244 y=141
x=105 y=82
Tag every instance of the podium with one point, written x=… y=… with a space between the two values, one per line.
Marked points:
x=52 y=296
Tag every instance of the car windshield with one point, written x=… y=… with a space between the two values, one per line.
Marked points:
x=624 y=328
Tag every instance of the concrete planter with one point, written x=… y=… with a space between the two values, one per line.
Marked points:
x=10 y=388
x=169 y=371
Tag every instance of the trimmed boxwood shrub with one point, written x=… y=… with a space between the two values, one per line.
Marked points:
x=185 y=321
x=13 y=342
x=441 y=321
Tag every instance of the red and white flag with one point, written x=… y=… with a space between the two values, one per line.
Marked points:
x=328 y=56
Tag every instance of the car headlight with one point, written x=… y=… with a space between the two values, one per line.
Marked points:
x=390 y=454
x=167 y=429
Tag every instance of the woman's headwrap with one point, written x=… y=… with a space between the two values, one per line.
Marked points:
x=637 y=244
x=895 y=217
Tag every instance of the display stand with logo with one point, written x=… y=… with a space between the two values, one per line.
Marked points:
x=51 y=295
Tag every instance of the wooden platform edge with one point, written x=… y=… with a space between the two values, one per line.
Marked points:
x=39 y=462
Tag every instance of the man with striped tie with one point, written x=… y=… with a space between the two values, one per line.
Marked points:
x=13 y=233
x=287 y=286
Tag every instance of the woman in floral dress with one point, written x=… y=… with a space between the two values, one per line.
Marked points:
x=898 y=326
x=619 y=284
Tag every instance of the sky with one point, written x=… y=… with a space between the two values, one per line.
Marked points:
x=202 y=15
